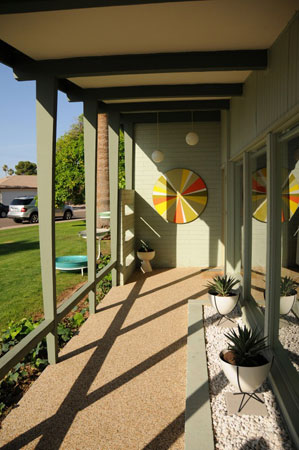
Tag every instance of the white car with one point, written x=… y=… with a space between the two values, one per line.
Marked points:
x=24 y=209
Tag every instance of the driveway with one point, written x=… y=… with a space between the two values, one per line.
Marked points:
x=79 y=213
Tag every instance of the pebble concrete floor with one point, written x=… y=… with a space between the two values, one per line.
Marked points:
x=121 y=382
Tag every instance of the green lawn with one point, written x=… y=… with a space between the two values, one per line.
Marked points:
x=20 y=276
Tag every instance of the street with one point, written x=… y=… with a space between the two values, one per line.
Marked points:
x=79 y=213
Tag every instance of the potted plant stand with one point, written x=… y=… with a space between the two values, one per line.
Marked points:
x=222 y=296
x=288 y=295
x=244 y=363
x=145 y=254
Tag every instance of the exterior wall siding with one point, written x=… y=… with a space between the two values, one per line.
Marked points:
x=268 y=94
x=198 y=243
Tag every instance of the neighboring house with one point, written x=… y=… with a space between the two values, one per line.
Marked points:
x=16 y=186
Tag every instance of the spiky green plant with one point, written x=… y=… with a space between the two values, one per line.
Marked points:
x=145 y=247
x=222 y=285
x=247 y=346
x=287 y=286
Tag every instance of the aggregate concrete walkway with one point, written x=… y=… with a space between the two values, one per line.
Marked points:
x=121 y=382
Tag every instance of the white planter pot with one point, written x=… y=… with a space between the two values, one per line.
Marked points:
x=146 y=257
x=224 y=305
x=250 y=378
x=286 y=304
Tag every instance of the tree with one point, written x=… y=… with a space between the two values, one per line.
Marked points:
x=103 y=192
x=5 y=169
x=103 y=197
x=70 y=184
x=10 y=172
x=121 y=161
x=69 y=174
x=25 y=168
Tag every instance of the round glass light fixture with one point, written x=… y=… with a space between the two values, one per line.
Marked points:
x=192 y=137
x=157 y=156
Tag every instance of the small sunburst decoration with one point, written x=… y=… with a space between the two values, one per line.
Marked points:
x=290 y=195
x=180 y=196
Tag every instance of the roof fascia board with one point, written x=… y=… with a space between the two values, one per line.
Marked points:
x=145 y=63
x=189 y=105
x=24 y=6
x=168 y=117
x=155 y=91
x=12 y=57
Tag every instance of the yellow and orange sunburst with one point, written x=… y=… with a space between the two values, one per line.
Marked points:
x=290 y=195
x=180 y=196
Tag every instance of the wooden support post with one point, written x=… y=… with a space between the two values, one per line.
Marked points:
x=113 y=142
x=230 y=219
x=273 y=262
x=46 y=113
x=247 y=222
x=129 y=154
x=90 y=158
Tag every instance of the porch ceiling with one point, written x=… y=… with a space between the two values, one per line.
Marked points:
x=150 y=28
x=147 y=79
x=143 y=45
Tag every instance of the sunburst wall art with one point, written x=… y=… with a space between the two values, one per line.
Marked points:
x=290 y=195
x=180 y=196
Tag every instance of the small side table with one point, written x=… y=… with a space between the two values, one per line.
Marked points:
x=100 y=233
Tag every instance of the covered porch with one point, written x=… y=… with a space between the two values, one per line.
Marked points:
x=229 y=69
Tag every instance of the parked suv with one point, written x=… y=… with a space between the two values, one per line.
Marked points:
x=3 y=210
x=24 y=208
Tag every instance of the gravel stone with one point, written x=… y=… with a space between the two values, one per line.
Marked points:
x=239 y=432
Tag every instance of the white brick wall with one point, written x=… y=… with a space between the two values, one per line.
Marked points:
x=197 y=243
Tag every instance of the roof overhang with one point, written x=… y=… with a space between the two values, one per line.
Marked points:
x=166 y=56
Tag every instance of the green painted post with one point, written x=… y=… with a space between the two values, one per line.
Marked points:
x=273 y=261
x=247 y=223
x=230 y=219
x=129 y=154
x=90 y=158
x=46 y=112
x=113 y=139
x=238 y=216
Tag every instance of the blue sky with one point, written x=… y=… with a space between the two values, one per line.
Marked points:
x=17 y=119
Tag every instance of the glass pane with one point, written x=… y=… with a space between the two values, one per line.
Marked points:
x=22 y=201
x=289 y=307
x=259 y=225
x=239 y=220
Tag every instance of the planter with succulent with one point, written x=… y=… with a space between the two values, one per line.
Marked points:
x=244 y=362
x=288 y=295
x=221 y=294
x=145 y=253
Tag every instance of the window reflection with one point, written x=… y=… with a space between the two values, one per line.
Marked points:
x=289 y=307
x=259 y=226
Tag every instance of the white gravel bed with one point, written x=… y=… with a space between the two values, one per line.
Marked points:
x=234 y=432
x=289 y=338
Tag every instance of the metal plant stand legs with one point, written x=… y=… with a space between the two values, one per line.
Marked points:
x=249 y=395
x=244 y=402
x=224 y=315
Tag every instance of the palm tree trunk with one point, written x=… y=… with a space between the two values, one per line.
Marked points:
x=103 y=200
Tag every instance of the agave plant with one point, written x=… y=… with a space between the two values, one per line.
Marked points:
x=144 y=247
x=287 y=286
x=246 y=346
x=222 y=285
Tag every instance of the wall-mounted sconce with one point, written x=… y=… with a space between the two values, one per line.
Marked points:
x=192 y=137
